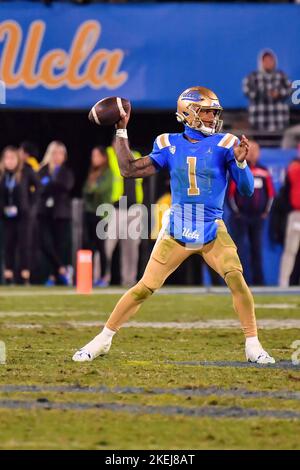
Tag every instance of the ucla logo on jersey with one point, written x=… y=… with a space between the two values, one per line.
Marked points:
x=191 y=235
x=191 y=96
x=173 y=149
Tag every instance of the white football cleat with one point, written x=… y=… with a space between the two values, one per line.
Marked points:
x=82 y=356
x=97 y=347
x=256 y=353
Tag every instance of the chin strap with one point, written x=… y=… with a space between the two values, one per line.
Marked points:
x=207 y=130
x=193 y=133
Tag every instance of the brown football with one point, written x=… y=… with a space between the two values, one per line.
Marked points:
x=109 y=111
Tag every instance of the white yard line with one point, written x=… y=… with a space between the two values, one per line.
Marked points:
x=59 y=314
x=268 y=324
x=47 y=292
x=277 y=306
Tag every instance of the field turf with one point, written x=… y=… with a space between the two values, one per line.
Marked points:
x=164 y=385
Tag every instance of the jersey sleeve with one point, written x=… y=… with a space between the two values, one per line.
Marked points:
x=160 y=152
x=240 y=173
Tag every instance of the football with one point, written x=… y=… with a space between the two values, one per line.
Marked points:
x=109 y=111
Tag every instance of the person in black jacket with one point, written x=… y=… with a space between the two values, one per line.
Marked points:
x=54 y=210
x=18 y=191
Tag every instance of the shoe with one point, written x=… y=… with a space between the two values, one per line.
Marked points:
x=101 y=283
x=256 y=353
x=97 y=347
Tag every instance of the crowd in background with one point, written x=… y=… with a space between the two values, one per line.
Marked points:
x=36 y=207
x=36 y=216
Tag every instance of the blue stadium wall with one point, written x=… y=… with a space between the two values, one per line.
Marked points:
x=146 y=52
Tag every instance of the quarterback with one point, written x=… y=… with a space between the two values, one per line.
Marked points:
x=199 y=160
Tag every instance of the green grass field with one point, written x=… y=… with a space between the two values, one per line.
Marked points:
x=154 y=390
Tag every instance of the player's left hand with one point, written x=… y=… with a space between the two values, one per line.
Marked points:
x=241 y=150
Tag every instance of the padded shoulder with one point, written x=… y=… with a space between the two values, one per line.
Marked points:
x=227 y=140
x=163 y=141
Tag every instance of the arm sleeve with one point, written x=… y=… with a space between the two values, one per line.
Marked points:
x=270 y=193
x=34 y=186
x=270 y=187
x=249 y=87
x=242 y=177
x=159 y=156
x=105 y=183
x=231 y=197
x=285 y=86
x=63 y=180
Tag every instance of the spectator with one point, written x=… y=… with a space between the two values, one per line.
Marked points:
x=161 y=211
x=295 y=275
x=29 y=154
x=96 y=190
x=292 y=234
x=15 y=205
x=268 y=89
x=249 y=214
x=132 y=189
x=291 y=137
x=55 y=211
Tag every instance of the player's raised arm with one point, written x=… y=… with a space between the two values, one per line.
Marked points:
x=241 y=150
x=129 y=166
x=238 y=168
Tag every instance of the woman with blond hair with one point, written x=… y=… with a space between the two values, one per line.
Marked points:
x=54 y=211
x=16 y=198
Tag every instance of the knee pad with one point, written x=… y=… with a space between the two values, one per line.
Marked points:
x=236 y=282
x=141 y=292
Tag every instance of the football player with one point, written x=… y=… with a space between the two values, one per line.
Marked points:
x=199 y=160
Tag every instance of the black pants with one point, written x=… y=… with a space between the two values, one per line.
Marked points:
x=90 y=239
x=247 y=234
x=54 y=241
x=16 y=243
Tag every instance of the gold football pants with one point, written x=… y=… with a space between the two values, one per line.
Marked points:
x=167 y=255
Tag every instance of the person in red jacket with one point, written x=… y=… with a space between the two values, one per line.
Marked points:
x=249 y=214
x=292 y=233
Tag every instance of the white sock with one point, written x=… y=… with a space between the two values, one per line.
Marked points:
x=252 y=341
x=107 y=333
x=104 y=337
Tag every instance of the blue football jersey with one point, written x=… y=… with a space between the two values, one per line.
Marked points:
x=199 y=174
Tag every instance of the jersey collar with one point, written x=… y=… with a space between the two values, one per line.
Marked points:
x=193 y=133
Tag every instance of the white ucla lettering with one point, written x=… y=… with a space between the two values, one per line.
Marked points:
x=191 y=235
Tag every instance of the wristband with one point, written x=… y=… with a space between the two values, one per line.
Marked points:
x=122 y=133
x=241 y=165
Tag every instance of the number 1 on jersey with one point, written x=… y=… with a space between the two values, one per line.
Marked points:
x=193 y=189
